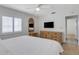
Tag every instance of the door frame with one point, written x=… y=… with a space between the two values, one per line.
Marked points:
x=67 y=17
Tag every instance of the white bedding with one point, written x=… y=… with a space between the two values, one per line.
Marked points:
x=27 y=45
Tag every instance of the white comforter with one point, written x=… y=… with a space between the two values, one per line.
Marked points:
x=27 y=45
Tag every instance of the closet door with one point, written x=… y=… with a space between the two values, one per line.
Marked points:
x=72 y=30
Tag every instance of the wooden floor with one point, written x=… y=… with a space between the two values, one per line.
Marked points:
x=71 y=49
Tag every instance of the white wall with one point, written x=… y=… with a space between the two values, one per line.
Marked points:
x=59 y=17
x=14 y=13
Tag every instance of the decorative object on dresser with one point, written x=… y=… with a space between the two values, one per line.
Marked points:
x=52 y=35
x=33 y=34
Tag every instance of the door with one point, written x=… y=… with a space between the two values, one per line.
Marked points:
x=71 y=30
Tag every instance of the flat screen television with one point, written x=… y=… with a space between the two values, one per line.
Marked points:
x=48 y=24
x=31 y=25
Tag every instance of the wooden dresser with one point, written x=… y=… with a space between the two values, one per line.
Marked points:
x=52 y=35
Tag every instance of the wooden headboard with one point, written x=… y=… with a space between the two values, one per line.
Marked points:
x=52 y=35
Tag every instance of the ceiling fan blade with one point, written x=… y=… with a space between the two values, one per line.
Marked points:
x=38 y=6
x=41 y=6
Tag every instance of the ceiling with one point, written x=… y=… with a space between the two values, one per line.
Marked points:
x=45 y=9
x=31 y=8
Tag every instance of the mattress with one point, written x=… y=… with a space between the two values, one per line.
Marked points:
x=28 y=45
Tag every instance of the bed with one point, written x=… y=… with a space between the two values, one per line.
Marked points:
x=28 y=45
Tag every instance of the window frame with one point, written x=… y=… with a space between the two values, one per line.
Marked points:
x=13 y=31
x=14 y=24
x=2 y=24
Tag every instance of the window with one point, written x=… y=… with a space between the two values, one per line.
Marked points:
x=17 y=24
x=7 y=24
x=10 y=24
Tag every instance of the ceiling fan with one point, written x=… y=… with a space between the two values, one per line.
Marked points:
x=38 y=7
